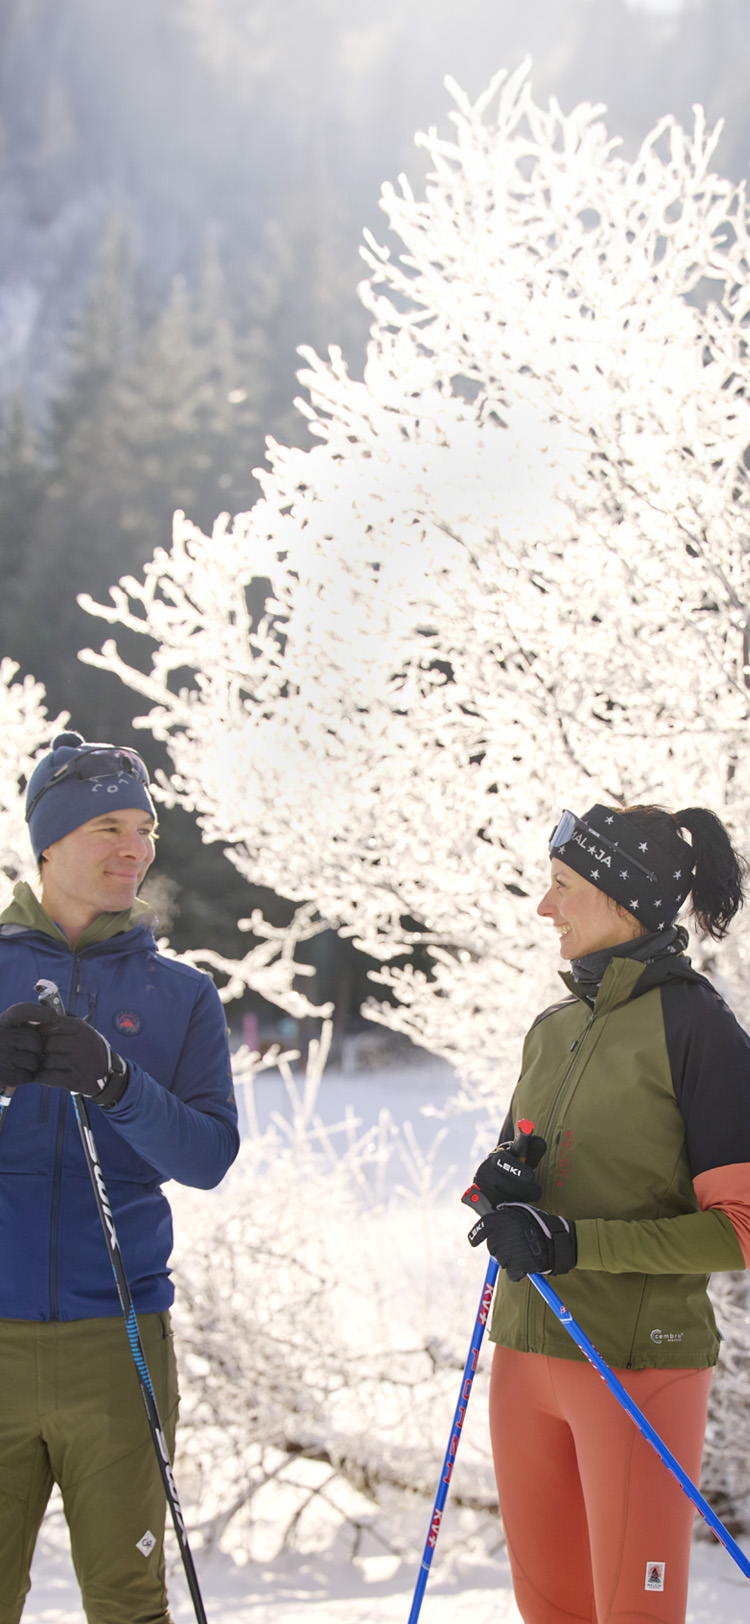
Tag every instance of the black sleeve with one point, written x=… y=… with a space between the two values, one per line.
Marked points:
x=709 y=1056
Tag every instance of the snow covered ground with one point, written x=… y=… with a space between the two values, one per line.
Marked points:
x=328 y=1586
x=296 y=1590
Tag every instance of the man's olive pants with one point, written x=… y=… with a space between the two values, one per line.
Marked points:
x=71 y=1413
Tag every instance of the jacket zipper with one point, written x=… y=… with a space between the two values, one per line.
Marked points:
x=535 y=1305
x=577 y=1049
x=63 y=1105
x=54 y=1303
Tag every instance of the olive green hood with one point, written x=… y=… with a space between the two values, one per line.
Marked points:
x=26 y=911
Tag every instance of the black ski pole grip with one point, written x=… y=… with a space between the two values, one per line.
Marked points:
x=480 y=1204
x=524 y=1132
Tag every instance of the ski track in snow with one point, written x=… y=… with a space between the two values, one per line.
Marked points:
x=327 y=1589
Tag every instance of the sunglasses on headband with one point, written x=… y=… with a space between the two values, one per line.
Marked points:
x=111 y=763
x=570 y=826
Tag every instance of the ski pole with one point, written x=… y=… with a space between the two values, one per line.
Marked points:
x=481 y=1204
x=458 y=1421
x=48 y=994
x=573 y=1328
x=483 y=1313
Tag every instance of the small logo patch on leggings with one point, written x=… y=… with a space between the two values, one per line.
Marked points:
x=654 y=1576
x=147 y=1543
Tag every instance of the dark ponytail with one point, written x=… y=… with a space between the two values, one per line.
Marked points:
x=717 y=892
x=719 y=872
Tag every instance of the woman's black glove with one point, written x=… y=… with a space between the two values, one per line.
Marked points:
x=502 y=1176
x=526 y=1240
x=74 y=1055
x=20 y=1050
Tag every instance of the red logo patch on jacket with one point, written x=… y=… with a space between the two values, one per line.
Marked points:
x=126 y=1020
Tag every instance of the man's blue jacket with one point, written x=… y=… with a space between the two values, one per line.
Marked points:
x=176 y=1120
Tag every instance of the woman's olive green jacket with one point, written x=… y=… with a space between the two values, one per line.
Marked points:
x=644 y=1101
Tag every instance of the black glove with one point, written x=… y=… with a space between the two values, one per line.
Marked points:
x=74 y=1055
x=526 y=1240
x=502 y=1176
x=20 y=1049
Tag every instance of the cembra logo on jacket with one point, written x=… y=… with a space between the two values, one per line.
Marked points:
x=126 y=1020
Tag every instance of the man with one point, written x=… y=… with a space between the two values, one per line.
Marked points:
x=145 y=1039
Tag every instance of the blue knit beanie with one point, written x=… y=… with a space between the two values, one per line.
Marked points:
x=77 y=781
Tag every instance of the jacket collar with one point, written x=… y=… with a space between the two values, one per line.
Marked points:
x=624 y=979
x=25 y=912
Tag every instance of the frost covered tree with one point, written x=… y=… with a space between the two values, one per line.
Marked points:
x=25 y=732
x=509 y=574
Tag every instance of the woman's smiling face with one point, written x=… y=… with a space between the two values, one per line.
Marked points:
x=584 y=917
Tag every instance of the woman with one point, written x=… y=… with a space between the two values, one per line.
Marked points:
x=638 y=1084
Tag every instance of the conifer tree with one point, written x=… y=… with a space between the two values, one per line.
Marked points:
x=159 y=408
x=22 y=479
x=73 y=535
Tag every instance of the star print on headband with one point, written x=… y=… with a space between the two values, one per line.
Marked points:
x=653 y=890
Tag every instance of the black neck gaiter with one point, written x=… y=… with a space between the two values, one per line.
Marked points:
x=659 y=944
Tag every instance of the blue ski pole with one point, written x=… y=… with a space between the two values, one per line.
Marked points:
x=573 y=1328
x=450 y=1453
x=483 y=1313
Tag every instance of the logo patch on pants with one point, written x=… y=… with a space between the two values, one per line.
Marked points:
x=147 y=1543
x=654 y=1576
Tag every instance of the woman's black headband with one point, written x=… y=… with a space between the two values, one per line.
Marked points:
x=650 y=877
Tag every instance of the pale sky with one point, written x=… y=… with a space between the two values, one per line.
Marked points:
x=666 y=8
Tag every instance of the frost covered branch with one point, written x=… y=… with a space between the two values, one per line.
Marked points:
x=270 y=968
x=25 y=732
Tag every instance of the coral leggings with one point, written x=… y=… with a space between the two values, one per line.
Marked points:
x=598 y=1530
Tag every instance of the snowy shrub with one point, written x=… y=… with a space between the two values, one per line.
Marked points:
x=323 y=1314
x=726 y=1466
x=25 y=731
